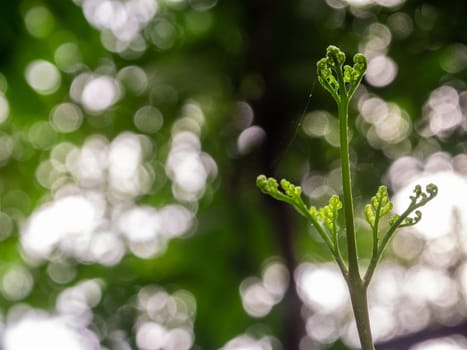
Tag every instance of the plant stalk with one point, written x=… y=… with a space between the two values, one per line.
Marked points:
x=358 y=297
x=357 y=289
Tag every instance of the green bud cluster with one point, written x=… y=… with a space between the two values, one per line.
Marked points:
x=337 y=79
x=379 y=206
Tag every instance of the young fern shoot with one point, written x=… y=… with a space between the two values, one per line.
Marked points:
x=341 y=81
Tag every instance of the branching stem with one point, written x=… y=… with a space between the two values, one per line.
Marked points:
x=341 y=82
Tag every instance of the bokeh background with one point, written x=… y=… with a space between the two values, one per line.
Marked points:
x=131 y=135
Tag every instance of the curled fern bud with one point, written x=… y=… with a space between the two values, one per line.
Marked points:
x=336 y=55
x=379 y=206
x=332 y=73
x=267 y=185
x=290 y=189
x=393 y=219
x=329 y=214
x=360 y=63
x=262 y=183
x=313 y=212
x=288 y=192
x=370 y=215
x=417 y=200
x=348 y=74
x=326 y=78
x=417 y=193
x=432 y=189
x=410 y=221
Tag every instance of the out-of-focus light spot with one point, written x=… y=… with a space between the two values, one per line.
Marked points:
x=150 y=336
x=178 y=339
x=162 y=33
x=321 y=287
x=66 y=117
x=166 y=320
x=152 y=228
x=123 y=20
x=407 y=246
x=4 y=108
x=401 y=25
x=61 y=272
x=454 y=58
x=250 y=138
x=43 y=77
x=37 y=330
x=42 y=135
x=78 y=84
x=100 y=93
x=373 y=109
x=203 y=5
x=442 y=112
x=88 y=164
x=75 y=302
x=39 y=21
x=394 y=127
x=17 y=283
x=389 y=3
x=186 y=165
x=107 y=248
x=382 y=70
x=390 y=124
x=316 y=186
x=148 y=119
x=6 y=225
x=438 y=288
x=377 y=41
x=198 y=23
x=249 y=342
x=276 y=279
x=127 y=175
x=365 y=3
x=447 y=343
x=359 y=3
x=140 y=224
x=322 y=328
x=68 y=57
x=175 y=220
x=403 y=171
x=336 y=4
x=383 y=323
x=7 y=145
x=256 y=300
x=134 y=79
x=317 y=123
x=386 y=284
x=67 y=222
x=244 y=115
x=260 y=295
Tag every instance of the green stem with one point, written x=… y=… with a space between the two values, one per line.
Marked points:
x=347 y=189
x=358 y=296
x=357 y=288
